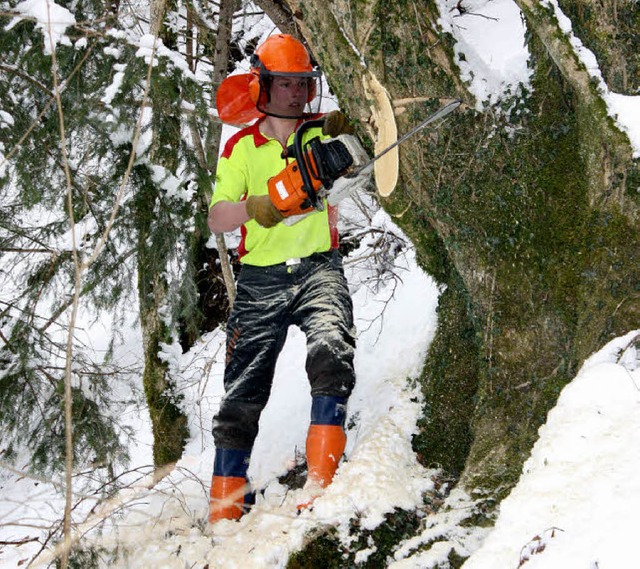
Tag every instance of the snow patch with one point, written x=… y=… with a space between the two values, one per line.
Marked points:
x=578 y=501
x=495 y=68
x=51 y=19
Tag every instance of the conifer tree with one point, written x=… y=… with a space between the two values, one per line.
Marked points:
x=132 y=145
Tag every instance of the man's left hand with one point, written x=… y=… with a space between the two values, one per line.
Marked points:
x=335 y=123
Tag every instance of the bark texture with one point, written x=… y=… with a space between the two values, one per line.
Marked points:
x=528 y=214
x=168 y=422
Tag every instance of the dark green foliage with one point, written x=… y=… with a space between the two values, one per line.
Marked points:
x=102 y=76
x=89 y=558
x=32 y=411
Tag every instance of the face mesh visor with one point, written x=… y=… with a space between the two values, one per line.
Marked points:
x=315 y=78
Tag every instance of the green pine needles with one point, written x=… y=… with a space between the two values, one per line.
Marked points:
x=127 y=226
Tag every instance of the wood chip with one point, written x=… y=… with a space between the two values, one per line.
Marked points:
x=386 y=168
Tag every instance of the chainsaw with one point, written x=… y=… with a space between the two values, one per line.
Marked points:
x=328 y=169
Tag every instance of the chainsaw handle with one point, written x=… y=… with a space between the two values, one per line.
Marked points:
x=300 y=156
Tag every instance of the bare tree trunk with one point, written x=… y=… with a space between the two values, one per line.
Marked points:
x=156 y=14
x=68 y=394
x=220 y=65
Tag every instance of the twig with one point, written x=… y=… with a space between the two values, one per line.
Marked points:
x=20 y=73
x=463 y=11
x=68 y=396
x=20 y=541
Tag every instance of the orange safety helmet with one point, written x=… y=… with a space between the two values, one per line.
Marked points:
x=241 y=98
x=280 y=55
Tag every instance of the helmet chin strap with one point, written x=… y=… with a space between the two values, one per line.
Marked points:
x=278 y=116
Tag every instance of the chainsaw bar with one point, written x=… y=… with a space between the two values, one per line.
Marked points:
x=439 y=114
x=304 y=182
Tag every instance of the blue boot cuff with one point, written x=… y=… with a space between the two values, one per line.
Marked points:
x=231 y=462
x=328 y=410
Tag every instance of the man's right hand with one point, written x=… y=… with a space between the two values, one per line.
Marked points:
x=261 y=209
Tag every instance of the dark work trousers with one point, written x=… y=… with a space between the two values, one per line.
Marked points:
x=312 y=294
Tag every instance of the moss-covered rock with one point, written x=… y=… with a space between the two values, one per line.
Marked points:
x=375 y=547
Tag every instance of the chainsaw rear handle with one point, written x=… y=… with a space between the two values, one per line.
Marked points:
x=299 y=154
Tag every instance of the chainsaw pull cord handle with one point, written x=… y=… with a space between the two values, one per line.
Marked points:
x=304 y=164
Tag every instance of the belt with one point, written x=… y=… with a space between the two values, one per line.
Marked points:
x=313 y=258
x=295 y=261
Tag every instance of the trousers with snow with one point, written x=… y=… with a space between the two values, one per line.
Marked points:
x=313 y=295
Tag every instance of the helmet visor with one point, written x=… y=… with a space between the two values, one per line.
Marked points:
x=273 y=100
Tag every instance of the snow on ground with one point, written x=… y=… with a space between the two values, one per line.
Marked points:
x=577 y=504
x=578 y=501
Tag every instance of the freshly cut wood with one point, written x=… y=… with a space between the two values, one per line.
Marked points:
x=386 y=168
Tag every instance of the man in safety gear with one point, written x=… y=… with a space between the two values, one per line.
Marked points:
x=291 y=275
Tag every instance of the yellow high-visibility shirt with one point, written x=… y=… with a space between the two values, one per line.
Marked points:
x=247 y=162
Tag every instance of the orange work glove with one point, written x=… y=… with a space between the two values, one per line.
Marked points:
x=335 y=123
x=261 y=209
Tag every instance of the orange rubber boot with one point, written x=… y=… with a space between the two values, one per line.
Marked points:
x=226 y=498
x=325 y=445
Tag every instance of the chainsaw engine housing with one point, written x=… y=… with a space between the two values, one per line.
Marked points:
x=297 y=188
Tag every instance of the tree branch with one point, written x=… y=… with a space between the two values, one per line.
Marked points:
x=281 y=16
x=13 y=69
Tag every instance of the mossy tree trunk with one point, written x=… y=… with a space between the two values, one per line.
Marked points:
x=155 y=244
x=529 y=218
